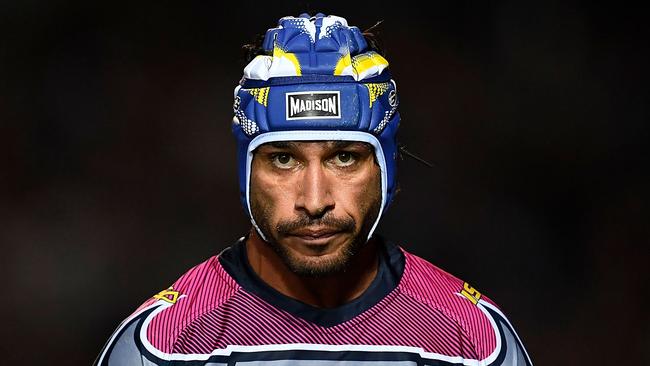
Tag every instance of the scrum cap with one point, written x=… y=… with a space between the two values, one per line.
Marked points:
x=319 y=80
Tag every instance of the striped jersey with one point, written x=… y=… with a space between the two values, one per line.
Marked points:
x=221 y=313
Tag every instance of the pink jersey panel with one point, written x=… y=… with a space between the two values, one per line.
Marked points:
x=202 y=288
x=431 y=285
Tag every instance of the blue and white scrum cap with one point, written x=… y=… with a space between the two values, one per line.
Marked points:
x=319 y=80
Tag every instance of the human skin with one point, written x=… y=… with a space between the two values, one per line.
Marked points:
x=315 y=203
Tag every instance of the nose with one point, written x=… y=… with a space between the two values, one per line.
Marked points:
x=314 y=192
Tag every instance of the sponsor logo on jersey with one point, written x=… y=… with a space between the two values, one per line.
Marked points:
x=168 y=295
x=313 y=104
x=470 y=293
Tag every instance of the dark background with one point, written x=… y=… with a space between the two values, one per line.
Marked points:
x=118 y=171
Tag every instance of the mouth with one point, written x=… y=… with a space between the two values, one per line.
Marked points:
x=315 y=236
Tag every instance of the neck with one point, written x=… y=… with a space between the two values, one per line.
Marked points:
x=324 y=292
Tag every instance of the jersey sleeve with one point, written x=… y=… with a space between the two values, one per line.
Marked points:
x=147 y=336
x=125 y=346
x=493 y=334
x=510 y=350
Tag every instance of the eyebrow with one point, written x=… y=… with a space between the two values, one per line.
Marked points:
x=347 y=144
x=343 y=144
x=282 y=144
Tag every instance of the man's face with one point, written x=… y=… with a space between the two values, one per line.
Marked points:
x=315 y=202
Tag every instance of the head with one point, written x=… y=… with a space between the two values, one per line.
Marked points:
x=315 y=121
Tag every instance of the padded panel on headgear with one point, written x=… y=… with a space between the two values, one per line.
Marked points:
x=314 y=106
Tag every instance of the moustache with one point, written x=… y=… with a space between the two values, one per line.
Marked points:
x=331 y=222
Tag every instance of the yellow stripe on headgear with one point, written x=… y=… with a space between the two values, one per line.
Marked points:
x=375 y=90
x=343 y=62
x=365 y=61
x=280 y=53
x=261 y=94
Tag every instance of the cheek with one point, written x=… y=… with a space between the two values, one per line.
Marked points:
x=272 y=194
x=357 y=196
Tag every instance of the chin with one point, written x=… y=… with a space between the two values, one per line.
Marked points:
x=317 y=268
x=318 y=265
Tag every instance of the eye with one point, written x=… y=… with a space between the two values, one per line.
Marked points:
x=283 y=161
x=344 y=159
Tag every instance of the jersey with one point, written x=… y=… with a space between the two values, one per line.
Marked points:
x=221 y=313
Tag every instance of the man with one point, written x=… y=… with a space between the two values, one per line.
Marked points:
x=315 y=121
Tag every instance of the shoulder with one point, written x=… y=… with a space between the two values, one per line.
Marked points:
x=484 y=324
x=431 y=284
x=201 y=289
x=150 y=332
